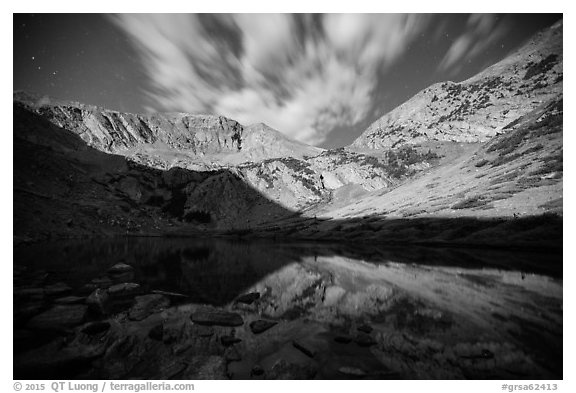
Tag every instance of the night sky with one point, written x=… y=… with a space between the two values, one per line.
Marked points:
x=320 y=79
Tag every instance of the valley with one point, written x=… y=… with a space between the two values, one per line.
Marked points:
x=198 y=247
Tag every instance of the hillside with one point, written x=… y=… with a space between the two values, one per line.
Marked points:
x=476 y=109
x=164 y=140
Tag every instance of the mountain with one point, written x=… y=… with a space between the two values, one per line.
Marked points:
x=165 y=140
x=479 y=108
x=473 y=163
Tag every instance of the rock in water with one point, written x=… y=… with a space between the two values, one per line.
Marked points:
x=305 y=349
x=96 y=328
x=120 y=268
x=60 y=317
x=351 y=371
x=248 y=298
x=261 y=326
x=220 y=318
x=147 y=305
x=70 y=300
x=257 y=370
x=343 y=339
x=229 y=340
x=98 y=300
x=123 y=288
x=365 y=340
x=57 y=289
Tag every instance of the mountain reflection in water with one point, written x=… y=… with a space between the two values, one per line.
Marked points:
x=410 y=312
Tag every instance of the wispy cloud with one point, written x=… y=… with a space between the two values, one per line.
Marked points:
x=301 y=74
x=482 y=30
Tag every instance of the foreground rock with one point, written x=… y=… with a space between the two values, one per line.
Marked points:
x=248 y=298
x=220 y=318
x=261 y=326
x=120 y=268
x=59 y=317
x=147 y=305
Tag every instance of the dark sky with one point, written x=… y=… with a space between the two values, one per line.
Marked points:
x=321 y=79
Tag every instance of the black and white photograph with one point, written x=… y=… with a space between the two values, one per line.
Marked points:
x=287 y=196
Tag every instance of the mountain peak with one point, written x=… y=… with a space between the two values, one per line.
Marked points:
x=478 y=108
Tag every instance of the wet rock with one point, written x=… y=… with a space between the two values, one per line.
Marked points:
x=364 y=340
x=180 y=348
x=284 y=370
x=173 y=296
x=248 y=298
x=232 y=355
x=205 y=367
x=32 y=293
x=229 y=340
x=147 y=305
x=261 y=326
x=57 y=289
x=95 y=328
x=343 y=339
x=25 y=311
x=123 y=288
x=172 y=370
x=365 y=328
x=257 y=370
x=352 y=371
x=59 y=317
x=305 y=349
x=70 y=300
x=157 y=332
x=220 y=318
x=204 y=331
x=53 y=358
x=100 y=282
x=120 y=268
x=97 y=301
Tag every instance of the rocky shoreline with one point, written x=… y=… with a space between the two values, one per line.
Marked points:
x=304 y=321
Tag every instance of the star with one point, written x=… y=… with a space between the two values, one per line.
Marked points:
x=33 y=57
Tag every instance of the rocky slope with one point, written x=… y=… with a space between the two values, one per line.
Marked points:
x=161 y=140
x=64 y=188
x=478 y=108
x=179 y=173
x=507 y=193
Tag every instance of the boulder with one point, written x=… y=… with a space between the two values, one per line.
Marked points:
x=147 y=305
x=261 y=326
x=123 y=288
x=57 y=289
x=343 y=339
x=59 y=317
x=70 y=300
x=304 y=348
x=98 y=300
x=248 y=298
x=217 y=317
x=120 y=268
x=229 y=340
x=95 y=328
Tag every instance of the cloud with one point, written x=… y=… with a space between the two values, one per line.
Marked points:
x=482 y=31
x=301 y=74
